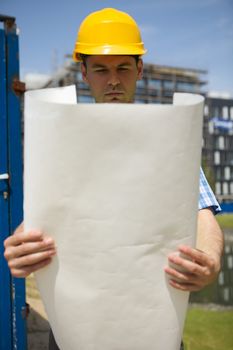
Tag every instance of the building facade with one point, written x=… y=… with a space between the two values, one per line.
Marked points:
x=218 y=145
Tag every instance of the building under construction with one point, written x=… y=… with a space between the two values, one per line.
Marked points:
x=157 y=85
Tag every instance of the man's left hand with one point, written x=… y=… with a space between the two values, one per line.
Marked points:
x=191 y=269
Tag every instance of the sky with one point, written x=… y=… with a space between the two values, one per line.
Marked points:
x=182 y=33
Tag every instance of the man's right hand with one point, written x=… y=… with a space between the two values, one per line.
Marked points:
x=27 y=252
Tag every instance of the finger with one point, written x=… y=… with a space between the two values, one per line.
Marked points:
x=185 y=287
x=27 y=270
x=196 y=254
x=13 y=252
x=22 y=237
x=19 y=229
x=179 y=276
x=31 y=259
x=186 y=265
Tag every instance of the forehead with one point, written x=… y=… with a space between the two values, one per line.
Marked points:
x=110 y=60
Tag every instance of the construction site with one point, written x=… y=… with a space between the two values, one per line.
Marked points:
x=23 y=319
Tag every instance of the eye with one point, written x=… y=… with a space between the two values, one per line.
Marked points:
x=100 y=70
x=122 y=69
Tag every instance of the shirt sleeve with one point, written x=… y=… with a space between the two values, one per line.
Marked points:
x=206 y=197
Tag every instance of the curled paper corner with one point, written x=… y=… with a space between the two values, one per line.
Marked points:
x=65 y=95
x=185 y=99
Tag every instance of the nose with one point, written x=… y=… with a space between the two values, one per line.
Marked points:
x=113 y=79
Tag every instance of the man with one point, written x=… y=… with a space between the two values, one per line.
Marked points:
x=109 y=48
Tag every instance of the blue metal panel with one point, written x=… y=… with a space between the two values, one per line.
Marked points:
x=12 y=291
x=16 y=185
x=227 y=207
x=5 y=292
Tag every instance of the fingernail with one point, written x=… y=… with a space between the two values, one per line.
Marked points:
x=48 y=241
x=35 y=232
x=52 y=252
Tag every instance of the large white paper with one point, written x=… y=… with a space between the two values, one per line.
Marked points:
x=117 y=187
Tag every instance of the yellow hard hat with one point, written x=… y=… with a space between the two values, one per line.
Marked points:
x=108 y=32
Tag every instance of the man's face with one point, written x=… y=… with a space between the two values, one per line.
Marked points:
x=113 y=78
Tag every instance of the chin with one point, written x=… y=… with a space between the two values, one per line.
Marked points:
x=116 y=101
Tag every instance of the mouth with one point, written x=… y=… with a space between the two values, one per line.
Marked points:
x=114 y=96
x=114 y=93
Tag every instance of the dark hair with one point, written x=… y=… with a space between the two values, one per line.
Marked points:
x=84 y=58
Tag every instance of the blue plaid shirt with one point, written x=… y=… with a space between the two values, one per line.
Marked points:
x=206 y=197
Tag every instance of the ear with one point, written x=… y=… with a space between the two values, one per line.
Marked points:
x=140 y=69
x=84 y=72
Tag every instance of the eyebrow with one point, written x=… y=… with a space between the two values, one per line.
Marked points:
x=99 y=65
x=125 y=64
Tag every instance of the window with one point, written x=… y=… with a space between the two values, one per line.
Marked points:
x=168 y=93
x=231 y=113
x=79 y=76
x=231 y=188
x=153 y=92
x=85 y=99
x=229 y=158
x=230 y=261
x=206 y=110
x=227 y=173
x=221 y=278
x=140 y=101
x=155 y=102
x=154 y=84
x=225 y=112
x=220 y=142
x=215 y=112
x=168 y=84
x=216 y=158
x=226 y=294
x=227 y=142
x=225 y=188
x=218 y=174
x=82 y=85
x=218 y=188
x=141 y=83
x=211 y=127
x=184 y=86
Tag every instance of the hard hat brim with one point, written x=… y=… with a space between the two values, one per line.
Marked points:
x=130 y=50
